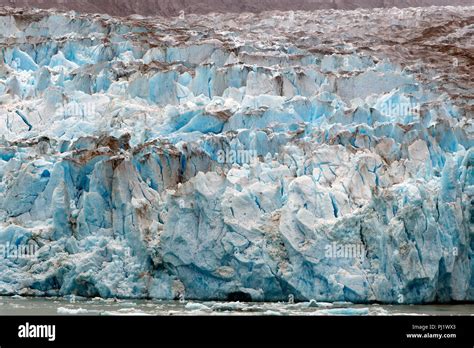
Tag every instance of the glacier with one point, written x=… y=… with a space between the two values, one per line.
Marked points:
x=216 y=157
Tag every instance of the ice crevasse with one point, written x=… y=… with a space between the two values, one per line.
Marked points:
x=154 y=158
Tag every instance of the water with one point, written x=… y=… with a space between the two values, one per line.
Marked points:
x=71 y=306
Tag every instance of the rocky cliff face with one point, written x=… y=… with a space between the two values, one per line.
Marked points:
x=174 y=7
x=325 y=155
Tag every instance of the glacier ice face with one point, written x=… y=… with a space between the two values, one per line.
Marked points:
x=215 y=157
x=169 y=8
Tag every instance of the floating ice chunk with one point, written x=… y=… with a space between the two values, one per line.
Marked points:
x=194 y=306
x=72 y=311
x=344 y=311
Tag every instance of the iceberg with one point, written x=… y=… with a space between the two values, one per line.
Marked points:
x=215 y=158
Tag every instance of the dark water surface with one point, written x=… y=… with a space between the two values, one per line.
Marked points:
x=72 y=306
